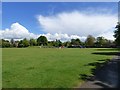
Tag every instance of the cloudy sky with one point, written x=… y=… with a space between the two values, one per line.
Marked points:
x=58 y=20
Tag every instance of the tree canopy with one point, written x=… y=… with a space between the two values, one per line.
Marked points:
x=42 y=40
x=117 y=34
x=90 y=40
x=75 y=41
x=23 y=43
x=33 y=42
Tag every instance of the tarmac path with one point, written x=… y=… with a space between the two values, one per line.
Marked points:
x=106 y=77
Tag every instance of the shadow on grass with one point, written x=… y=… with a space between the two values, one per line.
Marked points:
x=97 y=66
x=105 y=71
x=109 y=49
x=106 y=53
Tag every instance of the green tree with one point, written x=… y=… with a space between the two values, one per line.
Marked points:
x=51 y=43
x=33 y=42
x=42 y=40
x=90 y=40
x=23 y=43
x=108 y=43
x=66 y=44
x=26 y=42
x=100 y=42
x=58 y=43
x=20 y=44
x=5 y=43
x=117 y=34
x=75 y=41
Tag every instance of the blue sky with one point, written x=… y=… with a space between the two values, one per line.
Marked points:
x=27 y=13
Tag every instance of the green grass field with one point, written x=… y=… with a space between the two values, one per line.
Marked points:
x=48 y=67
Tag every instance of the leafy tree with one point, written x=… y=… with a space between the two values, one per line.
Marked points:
x=117 y=34
x=108 y=43
x=26 y=42
x=20 y=44
x=90 y=40
x=75 y=41
x=33 y=42
x=42 y=40
x=23 y=43
x=5 y=43
x=51 y=43
x=66 y=44
x=100 y=41
x=58 y=43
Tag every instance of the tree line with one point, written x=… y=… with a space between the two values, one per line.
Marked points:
x=73 y=43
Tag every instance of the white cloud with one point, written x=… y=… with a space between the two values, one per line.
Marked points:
x=19 y=32
x=66 y=26
x=16 y=31
x=62 y=37
x=79 y=23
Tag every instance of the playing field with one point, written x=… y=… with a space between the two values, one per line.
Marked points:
x=49 y=67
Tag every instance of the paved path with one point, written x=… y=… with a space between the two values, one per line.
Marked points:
x=106 y=77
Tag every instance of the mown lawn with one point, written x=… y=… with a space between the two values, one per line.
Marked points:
x=48 y=67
